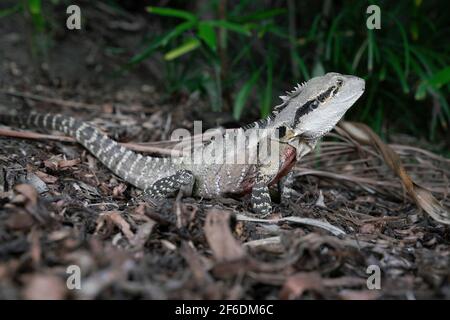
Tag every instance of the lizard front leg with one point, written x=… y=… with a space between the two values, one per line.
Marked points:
x=285 y=188
x=261 y=202
x=164 y=187
x=260 y=197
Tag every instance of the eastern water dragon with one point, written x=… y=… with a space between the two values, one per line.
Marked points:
x=294 y=127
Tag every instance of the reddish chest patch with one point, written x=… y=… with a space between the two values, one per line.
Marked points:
x=287 y=162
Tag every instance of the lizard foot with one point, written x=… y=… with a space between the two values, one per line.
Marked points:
x=261 y=202
x=164 y=187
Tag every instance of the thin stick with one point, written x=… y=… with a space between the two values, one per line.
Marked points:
x=40 y=136
x=33 y=135
x=308 y=221
x=61 y=102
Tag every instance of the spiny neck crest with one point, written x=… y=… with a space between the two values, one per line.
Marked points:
x=262 y=123
x=293 y=93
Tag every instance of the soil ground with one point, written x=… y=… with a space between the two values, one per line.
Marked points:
x=60 y=207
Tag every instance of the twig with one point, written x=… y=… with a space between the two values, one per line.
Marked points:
x=308 y=221
x=41 y=136
x=399 y=148
x=33 y=135
x=61 y=102
x=263 y=242
x=293 y=37
x=347 y=177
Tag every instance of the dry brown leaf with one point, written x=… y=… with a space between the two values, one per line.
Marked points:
x=47 y=178
x=35 y=248
x=28 y=192
x=142 y=234
x=19 y=221
x=52 y=163
x=119 y=190
x=195 y=262
x=102 y=279
x=218 y=234
x=116 y=218
x=297 y=284
x=368 y=228
x=68 y=163
x=423 y=198
x=44 y=287
x=359 y=294
x=30 y=199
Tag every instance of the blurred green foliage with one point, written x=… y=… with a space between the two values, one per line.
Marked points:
x=267 y=49
x=241 y=54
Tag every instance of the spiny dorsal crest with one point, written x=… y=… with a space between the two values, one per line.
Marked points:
x=289 y=95
x=277 y=109
x=293 y=93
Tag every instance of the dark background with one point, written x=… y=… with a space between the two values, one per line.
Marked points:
x=241 y=55
x=138 y=75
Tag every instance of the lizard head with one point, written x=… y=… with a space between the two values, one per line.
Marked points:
x=314 y=108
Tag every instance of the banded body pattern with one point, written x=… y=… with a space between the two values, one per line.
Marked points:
x=140 y=171
x=306 y=114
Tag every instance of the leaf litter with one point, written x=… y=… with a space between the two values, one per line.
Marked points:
x=359 y=202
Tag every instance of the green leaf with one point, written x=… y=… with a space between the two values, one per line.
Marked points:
x=207 y=34
x=313 y=30
x=332 y=33
x=272 y=28
x=405 y=43
x=186 y=47
x=302 y=65
x=440 y=78
x=358 y=55
x=35 y=7
x=421 y=91
x=436 y=81
x=243 y=94
x=267 y=94
x=394 y=61
x=261 y=15
x=382 y=73
x=161 y=41
x=9 y=11
x=228 y=25
x=169 y=12
x=370 y=49
x=318 y=69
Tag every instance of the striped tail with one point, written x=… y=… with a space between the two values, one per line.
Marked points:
x=132 y=167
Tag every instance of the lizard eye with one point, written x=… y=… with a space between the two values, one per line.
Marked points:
x=315 y=103
x=339 y=82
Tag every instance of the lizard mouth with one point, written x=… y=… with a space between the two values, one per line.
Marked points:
x=353 y=97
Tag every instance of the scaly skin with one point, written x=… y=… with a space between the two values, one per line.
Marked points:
x=294 y=127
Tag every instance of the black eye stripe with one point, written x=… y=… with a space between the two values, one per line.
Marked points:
x=281 y=131
x=305 y=109
x=335 y=90
x=313 y=104
x=325 y=95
